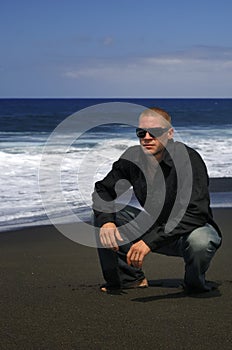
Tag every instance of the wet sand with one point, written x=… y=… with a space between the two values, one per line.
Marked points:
x=50 y=298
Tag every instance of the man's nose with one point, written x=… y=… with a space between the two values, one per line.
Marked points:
x=148 y=136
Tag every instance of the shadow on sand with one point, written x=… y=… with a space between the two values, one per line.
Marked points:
x=181 y=293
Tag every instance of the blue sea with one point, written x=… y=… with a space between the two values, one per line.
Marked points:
x=29 y=141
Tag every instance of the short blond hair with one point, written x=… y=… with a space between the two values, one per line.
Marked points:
x=157 y=112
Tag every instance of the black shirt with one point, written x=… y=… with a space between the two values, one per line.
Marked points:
x=174 y=192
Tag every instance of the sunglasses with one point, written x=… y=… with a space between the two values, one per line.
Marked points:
x=153 y=132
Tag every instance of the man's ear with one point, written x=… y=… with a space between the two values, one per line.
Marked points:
x=170 y=133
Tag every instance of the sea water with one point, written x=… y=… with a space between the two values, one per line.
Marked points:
x=26 y=125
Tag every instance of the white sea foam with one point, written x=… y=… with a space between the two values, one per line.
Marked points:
x=83 y=163
x=215 y=147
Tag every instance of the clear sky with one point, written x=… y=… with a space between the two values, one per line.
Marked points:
x=116 y=48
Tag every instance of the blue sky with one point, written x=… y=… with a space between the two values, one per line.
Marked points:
x=123 y=48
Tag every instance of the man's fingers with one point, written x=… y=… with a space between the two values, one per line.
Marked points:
x=128 y=257
x=134 y=258
x=137 y=253
x=108 y=238
x=104 y=240
x=110 y=241
x=118 y=236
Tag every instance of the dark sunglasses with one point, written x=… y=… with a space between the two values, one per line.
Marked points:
x=153 y=132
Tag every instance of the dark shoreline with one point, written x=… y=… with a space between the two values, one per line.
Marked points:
x=50 y=298
x=220 y=184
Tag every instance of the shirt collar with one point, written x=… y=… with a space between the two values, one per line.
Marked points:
x=168 y=152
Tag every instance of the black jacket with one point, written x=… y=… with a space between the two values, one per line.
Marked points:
x=175 y=192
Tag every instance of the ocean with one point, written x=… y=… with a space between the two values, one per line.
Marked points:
x=37 y=149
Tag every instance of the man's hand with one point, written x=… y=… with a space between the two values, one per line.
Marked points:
x=137 y=253
x=109 y=235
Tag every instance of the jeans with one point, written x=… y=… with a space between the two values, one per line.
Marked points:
x=197 y=249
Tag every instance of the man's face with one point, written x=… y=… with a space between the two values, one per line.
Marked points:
x=151 y=144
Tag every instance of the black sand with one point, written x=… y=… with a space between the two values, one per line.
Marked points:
x=50 y=298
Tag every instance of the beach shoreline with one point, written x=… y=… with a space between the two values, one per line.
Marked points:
x=220 y=184
x=220 y=192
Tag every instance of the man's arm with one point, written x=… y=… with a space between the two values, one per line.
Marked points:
x=107 y=190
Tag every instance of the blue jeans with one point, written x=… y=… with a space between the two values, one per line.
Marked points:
x=197 y=249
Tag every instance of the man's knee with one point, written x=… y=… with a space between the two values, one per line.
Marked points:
x=203 y=239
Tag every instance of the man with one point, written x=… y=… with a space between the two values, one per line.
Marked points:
x=170 y=181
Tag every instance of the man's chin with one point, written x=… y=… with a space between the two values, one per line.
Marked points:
x=148 y=150
x=152 y=152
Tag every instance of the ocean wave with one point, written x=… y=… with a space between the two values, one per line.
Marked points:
x=82 y=163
